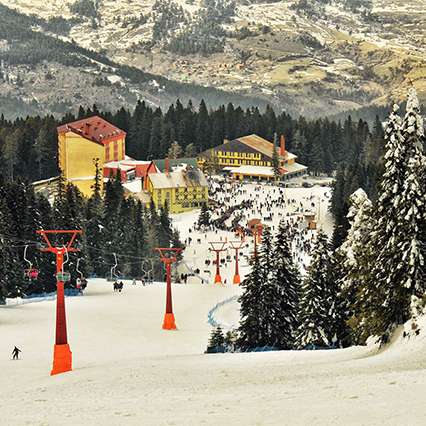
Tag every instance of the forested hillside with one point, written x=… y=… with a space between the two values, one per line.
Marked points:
x=41 y=74
x=310 y=58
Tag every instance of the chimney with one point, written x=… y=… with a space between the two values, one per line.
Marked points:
x=87 y=127
x=282 y=146
x=167 y=164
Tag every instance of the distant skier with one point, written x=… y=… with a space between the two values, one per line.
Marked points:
x=15 y=353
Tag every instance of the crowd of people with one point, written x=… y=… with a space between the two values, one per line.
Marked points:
x=236 y=205
x=269 y=204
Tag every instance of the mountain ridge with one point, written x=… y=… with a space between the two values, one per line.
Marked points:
x=312 y=58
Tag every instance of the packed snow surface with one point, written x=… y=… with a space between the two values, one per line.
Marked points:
x=127 y=370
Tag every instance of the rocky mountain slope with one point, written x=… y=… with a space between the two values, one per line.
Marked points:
x=314 y=57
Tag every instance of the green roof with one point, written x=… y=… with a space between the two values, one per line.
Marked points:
x=175 y=162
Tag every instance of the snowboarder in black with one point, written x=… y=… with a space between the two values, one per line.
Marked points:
x=15 y=353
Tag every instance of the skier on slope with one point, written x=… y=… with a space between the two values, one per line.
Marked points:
x=15 y=353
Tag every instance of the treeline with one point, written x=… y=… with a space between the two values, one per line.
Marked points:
x=26 y=46
x=28 y=147
x=112 y=224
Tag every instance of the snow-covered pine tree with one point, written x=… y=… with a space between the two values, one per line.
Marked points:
x=317 y=316
x=413 y=212
x=383 y=247
x=284 y=291
x=254 y=324
x=354 y=247
x=269 y=304
x=397 y=243
x=352 y=260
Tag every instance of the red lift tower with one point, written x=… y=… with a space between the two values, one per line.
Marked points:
x=220 y=247
x=256 y=229
x=236 y=245
x=169 y=318
x=62 y=356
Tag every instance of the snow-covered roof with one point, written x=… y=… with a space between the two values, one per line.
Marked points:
x=129 y=161
x=294 y=167
x=192 y=178
x=133 y=185
x=118 y=165
x=251 y=170
x=265 y=171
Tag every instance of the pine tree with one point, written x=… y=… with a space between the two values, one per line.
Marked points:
x=251 y=310
x=216 y=338
x=175 y=150
x=413 y=211
x=190 y=151
x=285 y=291
x=397 y=243
x=275 y=161
x=94 y=232
x=269 y=302
x=352 y=262
x=353 y=250
x=204 y=217
x=317 y=308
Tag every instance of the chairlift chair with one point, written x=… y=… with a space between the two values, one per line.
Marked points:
x=31 y=273
x=113 y=276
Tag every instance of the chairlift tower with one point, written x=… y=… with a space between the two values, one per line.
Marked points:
x=256 y=229
x=62 y=355
x=219 y=247
x=169 y=318
x=236 y=245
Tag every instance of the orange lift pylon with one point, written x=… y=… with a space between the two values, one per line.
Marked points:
x=236 y=245
x=218 y=249
x=62 y=355
x=169 y=318
x=256 y=229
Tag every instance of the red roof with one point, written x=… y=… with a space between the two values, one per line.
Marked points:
x=93 y=128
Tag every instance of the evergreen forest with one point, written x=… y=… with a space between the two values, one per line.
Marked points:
x=119 y=235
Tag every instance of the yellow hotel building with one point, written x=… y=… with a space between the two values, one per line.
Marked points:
x=182 y=190
x=250 y=157
x=83 y=141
